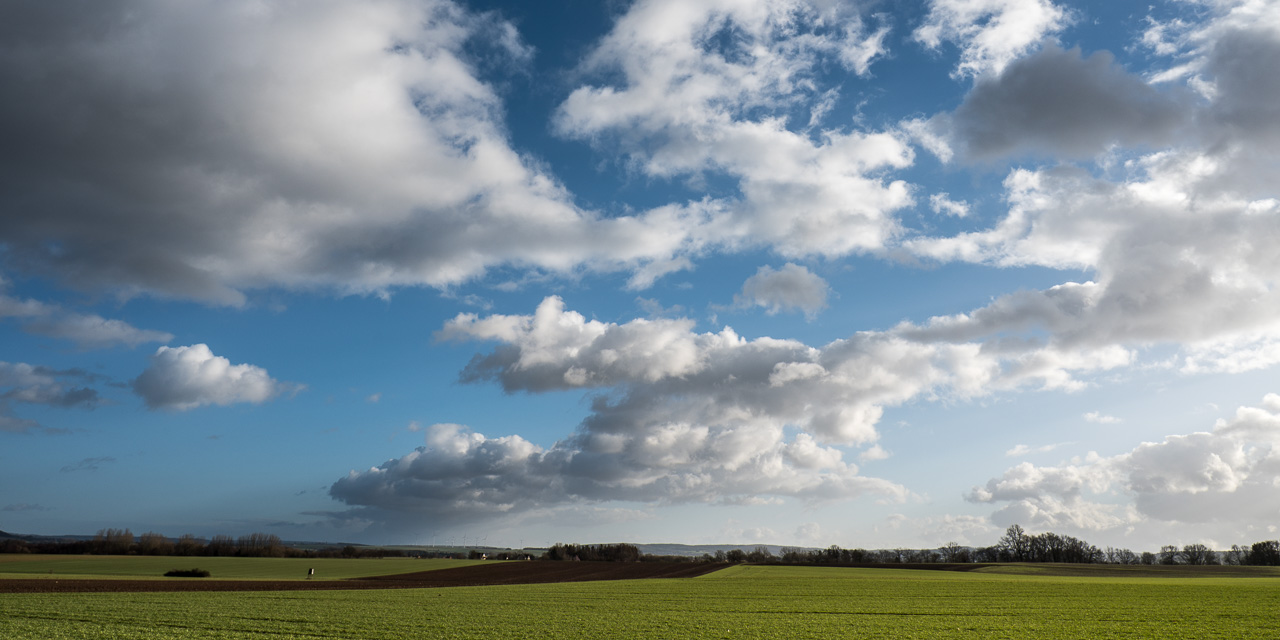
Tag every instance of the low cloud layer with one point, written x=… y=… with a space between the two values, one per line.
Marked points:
x=461 y=476
x=1230 y=473
x=685 y=416
x=182 y=378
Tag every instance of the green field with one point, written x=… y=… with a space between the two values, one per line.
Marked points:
x=68 y=566
x=740 y=602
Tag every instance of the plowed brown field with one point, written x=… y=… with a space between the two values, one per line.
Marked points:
x=474 y=575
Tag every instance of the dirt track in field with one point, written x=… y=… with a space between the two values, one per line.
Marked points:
x=474 y=575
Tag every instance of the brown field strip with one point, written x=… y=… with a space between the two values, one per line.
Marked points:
x=496 y=573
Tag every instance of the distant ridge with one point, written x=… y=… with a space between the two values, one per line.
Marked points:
x=695 y=550
x=33 y=538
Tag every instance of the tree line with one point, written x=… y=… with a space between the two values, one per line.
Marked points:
x=124 y=542
x=1018 y=546
x=1015 y=546
x=594 y=553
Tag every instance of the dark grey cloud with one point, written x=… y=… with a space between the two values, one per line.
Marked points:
x=89 y=331
x=54 y=396
x=1057 y=102
x=1246 y=85
x=22 y=383
x=12 y=424
x=199 y=149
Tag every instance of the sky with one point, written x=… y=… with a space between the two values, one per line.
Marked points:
x=864 y=273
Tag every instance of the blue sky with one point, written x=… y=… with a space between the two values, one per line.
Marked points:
x=719 y=271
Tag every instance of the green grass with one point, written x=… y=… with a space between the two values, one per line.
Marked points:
x=66 y=566
x=740 y=602
x=1133 y=571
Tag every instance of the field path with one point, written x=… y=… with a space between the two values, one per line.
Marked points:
x=495 y=573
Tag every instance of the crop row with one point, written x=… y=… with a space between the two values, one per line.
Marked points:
x=742 y=602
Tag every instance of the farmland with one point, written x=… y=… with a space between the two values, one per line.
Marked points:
x=738 y=602
x=80 y=566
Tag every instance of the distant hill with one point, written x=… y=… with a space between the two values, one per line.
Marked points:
x=695 y=550
x=32 y=538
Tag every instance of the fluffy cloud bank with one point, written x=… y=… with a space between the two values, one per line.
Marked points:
x=1230 y=473
x=1177 y=239
x=181 y=378
x=460 y=475
x=686 y=416
x=692 y=90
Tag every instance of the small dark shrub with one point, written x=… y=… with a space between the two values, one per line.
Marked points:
x=187 y=573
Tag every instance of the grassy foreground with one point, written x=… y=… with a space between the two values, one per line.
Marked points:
x=67 y=566
x=740 y=602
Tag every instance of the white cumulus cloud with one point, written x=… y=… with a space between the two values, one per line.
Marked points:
x=990 y=33
x=696 y=89
x=941 y=203
x=182 y=378
x=682 y=416
x=1229 y=473
x=791 y=287
x=1100 y=418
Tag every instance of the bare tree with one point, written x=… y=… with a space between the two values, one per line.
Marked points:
x=154 y=544
x=1198 y=554
x=953 y=552
x=221 y=545
x=188 y=545
x=260 y=545
x=113 y=541
x=1016 y=544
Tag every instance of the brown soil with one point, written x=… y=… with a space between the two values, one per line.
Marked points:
x=474 y=575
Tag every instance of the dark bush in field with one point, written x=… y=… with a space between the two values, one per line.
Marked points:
x=187 y=573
